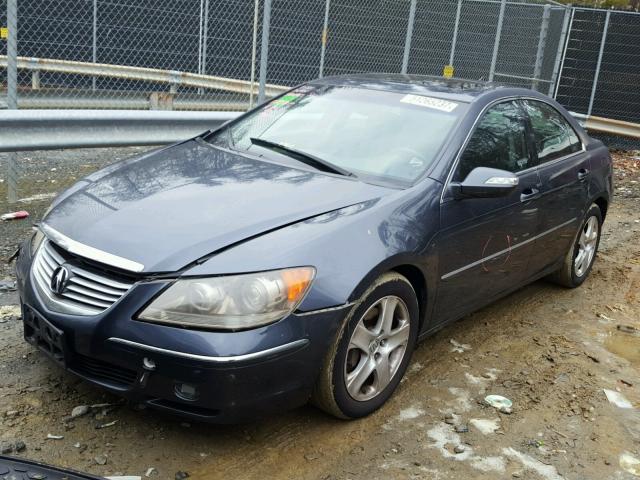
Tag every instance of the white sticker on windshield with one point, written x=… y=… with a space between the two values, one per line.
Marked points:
x=429 y=102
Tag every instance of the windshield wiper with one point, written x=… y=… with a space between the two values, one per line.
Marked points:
x=307 y=158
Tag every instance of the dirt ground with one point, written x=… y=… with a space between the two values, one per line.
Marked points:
x=552 y=351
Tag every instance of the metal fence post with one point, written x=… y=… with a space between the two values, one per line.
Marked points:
x=496 y=44
x=599 y=64
x=407 y=41
x=542 y=43
x=94 y=56
x=561 y=53
x=12 y=54
x=264 y=50
x=12 y=92
x=256 y=8
x=200 y=37
x=205 y=34
x=454 y=40
x=325 y=37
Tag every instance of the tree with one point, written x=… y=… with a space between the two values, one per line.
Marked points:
x=616 y=4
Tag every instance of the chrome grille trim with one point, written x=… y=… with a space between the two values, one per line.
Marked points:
x=87 y=251
x=86 y=293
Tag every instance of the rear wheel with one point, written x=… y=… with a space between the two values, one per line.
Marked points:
x=581 y=256
x=372 y=350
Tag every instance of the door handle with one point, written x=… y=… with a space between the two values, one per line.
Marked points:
x=529 y=194
x=583 y=173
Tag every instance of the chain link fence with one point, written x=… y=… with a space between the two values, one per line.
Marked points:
x=601 y=70
x=231 y=54
x=224 y=54
x=228 y=54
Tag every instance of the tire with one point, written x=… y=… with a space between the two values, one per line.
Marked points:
x=570 y=275
x=379 y=346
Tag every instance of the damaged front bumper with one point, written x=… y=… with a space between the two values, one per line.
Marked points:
x=220 y=377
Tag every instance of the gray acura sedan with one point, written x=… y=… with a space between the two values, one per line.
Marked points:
x=300 y=251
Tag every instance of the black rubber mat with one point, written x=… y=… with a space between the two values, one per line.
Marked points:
x=19 y=469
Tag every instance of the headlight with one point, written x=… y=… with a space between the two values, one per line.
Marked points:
x=231 y=302
x=36 y=241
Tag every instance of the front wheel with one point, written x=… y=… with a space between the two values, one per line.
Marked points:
x=582 y=254
x=372 y=350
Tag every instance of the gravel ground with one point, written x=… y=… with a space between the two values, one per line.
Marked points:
x=552 y=351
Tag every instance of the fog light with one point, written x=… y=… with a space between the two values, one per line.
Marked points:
x=186 y=391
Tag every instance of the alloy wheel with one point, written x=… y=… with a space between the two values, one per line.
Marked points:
x=587 y=244
x=376 y=348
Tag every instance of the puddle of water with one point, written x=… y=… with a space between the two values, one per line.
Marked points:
x=624 y=345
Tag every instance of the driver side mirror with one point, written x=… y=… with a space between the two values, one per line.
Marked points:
x=484 y=182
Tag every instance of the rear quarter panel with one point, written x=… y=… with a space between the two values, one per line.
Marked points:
x=601 y=179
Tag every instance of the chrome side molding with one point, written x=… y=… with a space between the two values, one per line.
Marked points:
x=214 y=359
x=506 y=250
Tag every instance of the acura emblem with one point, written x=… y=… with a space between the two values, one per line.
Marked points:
x=59 y=279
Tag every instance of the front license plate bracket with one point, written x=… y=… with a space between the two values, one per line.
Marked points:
x=38 y=331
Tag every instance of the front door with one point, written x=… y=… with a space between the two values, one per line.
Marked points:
x=485 y=243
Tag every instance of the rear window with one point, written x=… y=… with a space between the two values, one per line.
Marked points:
x=554 y=136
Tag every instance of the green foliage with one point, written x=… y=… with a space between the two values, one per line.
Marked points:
x=616 y=4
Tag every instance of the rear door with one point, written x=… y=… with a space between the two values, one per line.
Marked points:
x=563 y=166
x=485 y=243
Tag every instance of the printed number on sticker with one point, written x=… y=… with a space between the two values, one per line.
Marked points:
x=429 y=102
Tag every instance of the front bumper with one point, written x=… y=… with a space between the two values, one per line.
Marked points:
x=230 y=376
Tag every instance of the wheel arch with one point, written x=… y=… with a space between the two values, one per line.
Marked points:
x=603 y=203
x=408 y=267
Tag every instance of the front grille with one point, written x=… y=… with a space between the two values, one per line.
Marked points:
x=94 y=369
x=84 y=293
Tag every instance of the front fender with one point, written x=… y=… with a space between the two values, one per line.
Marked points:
x=348 y=247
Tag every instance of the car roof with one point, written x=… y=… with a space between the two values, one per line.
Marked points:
x=458 y=89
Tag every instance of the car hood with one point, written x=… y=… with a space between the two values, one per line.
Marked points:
x=169 y=208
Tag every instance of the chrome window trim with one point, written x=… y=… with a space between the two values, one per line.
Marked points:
x=506 y=250
x=214 y=359
x=89 y=252
x=473 y=128
x=559 y=159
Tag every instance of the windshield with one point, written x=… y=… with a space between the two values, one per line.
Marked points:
x=369 y=133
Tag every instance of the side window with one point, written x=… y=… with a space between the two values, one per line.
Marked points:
x=554 y=137
x=499 y=141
